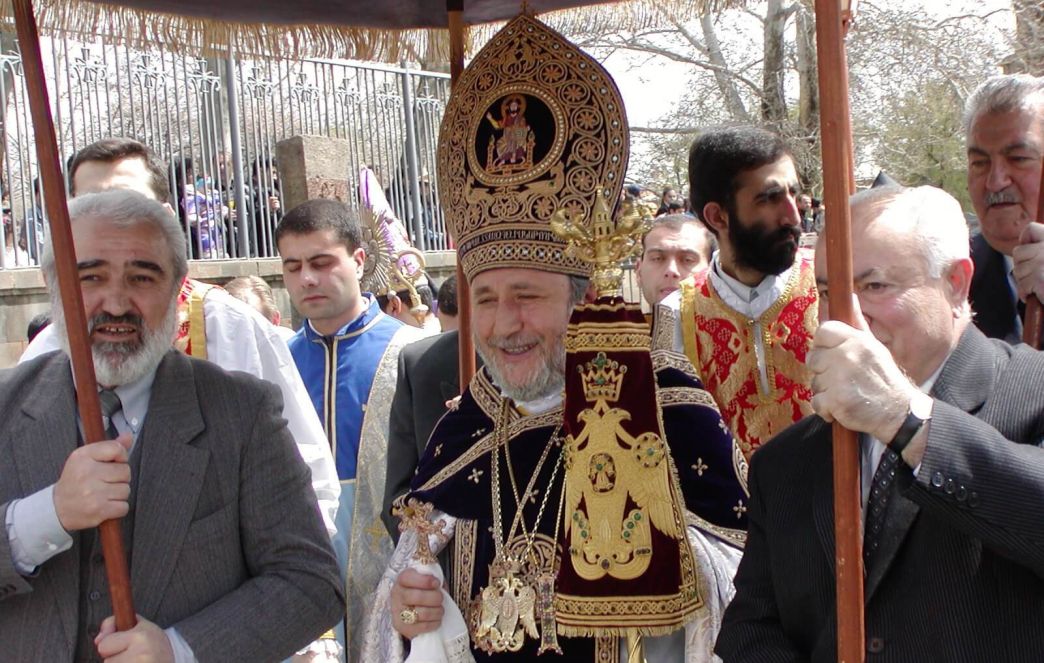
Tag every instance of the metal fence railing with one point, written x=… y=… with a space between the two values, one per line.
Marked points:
x=215 y=122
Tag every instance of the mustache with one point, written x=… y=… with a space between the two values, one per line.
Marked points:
x=129 y=319
x=789 y=232
x=1002 y=198
x=512 y=342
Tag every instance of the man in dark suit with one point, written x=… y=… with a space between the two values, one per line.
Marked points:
x=228 y=556
x=1004 y=127
x=429 y=376
x=952 y=470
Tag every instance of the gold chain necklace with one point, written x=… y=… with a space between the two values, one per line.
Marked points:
x=506 y=607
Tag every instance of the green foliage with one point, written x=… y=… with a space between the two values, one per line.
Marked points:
x=922 y=143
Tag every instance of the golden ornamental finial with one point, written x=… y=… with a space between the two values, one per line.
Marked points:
x=602 y=242
x=416 y=515
x=403 y=280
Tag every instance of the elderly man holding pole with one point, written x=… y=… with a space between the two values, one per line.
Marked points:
x=950 y=429
x=229 y=558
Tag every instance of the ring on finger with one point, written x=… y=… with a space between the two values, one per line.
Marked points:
x=408 y=616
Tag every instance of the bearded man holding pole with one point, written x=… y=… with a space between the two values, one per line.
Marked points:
x=229 y=557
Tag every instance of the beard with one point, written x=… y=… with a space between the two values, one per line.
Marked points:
x=763 y=250
x=545 y=379
x=117 y=364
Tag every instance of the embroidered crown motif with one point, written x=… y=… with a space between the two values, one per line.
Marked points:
x=602 y=378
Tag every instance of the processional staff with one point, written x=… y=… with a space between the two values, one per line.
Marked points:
x=72 y=299
x=838 y=184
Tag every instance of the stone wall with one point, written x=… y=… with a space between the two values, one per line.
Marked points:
x=23 y=294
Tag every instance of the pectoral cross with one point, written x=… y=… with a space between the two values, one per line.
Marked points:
x=416 y=515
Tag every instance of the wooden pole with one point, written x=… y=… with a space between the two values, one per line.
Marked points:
x=837 y=177
x=72 y=299
x=466 y=347
x=1034 y=322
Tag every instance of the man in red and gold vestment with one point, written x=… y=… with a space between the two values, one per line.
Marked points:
x=747 y=322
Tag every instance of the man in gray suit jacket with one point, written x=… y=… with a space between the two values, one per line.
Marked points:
x=952 y=469
x=228 y=556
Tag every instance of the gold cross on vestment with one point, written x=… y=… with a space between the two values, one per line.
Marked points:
x=377 y=532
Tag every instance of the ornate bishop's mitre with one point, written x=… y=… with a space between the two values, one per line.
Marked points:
x=534 y=126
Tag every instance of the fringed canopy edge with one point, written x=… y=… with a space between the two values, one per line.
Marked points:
x=201 y=36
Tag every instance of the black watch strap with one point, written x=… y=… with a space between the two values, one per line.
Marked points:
x=910 y=426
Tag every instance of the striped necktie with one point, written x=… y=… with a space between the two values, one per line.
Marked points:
x=110 y=405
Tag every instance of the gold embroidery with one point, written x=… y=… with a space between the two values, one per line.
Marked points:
x=722 y=345
x=476 y=473
x=735 y=536
x=601 y=336
x=377 y=533
x=606 y=467
x=664 y=320
x=688 y=320
x=489 y=399
x=607 y=649
x=669 y=359
x=739 y=465
x=686 y=396
x=464 y=561
x=528 y=104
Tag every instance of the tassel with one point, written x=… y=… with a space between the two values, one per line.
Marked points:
x=635 y=647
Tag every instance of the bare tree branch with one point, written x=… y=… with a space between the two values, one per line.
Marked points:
x=666 y=130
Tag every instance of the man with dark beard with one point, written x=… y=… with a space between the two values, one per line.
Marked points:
x=747 y=322
x=230 y=560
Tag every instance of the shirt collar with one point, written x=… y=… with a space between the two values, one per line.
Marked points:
x=750 y=301
x=134 y=399
x=927 y=385
x=369 y=314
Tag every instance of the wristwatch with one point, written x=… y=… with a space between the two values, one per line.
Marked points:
x=914 y=422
